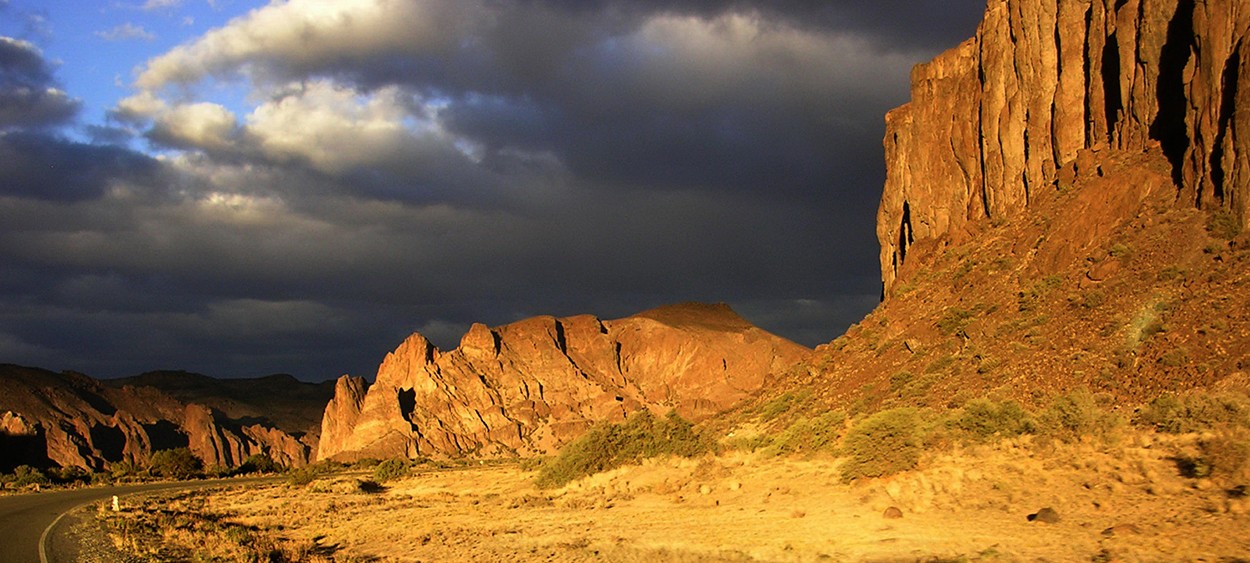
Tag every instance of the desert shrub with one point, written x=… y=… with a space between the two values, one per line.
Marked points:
x=607 y=446
x=955 y=320
x=1223 y=224
x=983 y=419
x=70 y=475
x=178 y=463
x=1076 y=415
x=125 y=469
x=883 y=444
x=366 y=463
x=25 y=475
x=258 y=463
x=301 y=477
x=1226 y=456
x=808 y=435
x=1194 y=412
x=391 y=469
x=783 y=403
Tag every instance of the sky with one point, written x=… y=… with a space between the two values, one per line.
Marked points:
x=240 y=188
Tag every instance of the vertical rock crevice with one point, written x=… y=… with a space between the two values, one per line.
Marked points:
x=1169 y=126
x=1113 y=95
x=1228 y=106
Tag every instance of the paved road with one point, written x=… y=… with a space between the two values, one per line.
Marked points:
x=23 y=518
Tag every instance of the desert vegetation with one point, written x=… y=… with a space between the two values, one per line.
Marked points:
x=962 y=483
x=175 y=464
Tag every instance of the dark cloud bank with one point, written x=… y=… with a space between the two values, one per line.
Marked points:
x=424 y=165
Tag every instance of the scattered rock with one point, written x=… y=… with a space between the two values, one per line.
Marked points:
x=1103 y=269
x=892 y=513
x=1121 y=530
x=1047 y=515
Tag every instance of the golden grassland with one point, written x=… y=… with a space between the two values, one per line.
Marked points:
x=1171 y=486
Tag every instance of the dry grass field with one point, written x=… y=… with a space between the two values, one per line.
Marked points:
x=1125 y=499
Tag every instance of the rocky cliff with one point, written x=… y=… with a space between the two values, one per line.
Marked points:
x=70 y=419
x=993 y=122
x=1065 y=207
x=533 y=385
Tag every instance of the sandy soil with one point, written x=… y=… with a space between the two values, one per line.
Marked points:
x=1116 y=503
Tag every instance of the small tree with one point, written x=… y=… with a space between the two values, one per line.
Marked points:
x=24 y=475
x=178 y=463
x=258 y=463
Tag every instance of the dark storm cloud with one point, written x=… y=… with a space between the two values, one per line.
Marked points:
x=42 y=166
x=425 y=165
x=893 y=24
x=28 y=96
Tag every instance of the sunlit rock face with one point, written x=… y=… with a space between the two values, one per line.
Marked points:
x=533 y=385
x=67 y=419
x=994 y=122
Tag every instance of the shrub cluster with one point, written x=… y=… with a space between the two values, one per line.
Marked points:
x=885 y=443
x=178 y=463
x=608 y=446
x=391 y=469
x=1195 y=412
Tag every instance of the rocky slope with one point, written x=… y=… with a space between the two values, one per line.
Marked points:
x=1065 y=203
x=533 y=385
x=70 y=419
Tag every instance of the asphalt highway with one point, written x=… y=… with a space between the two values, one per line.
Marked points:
x=24 y=518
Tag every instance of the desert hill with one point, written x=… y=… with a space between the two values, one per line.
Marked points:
x=1065 y=203
x=72 y=420
x=533 y=385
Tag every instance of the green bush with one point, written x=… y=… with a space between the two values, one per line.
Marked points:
x=1223 y=224
x=391 y=469
x=1194 y=412
x=178 y=463
x=607 y=446
x=1226 y=456
x=24 y=475
x=883 y=444
x=983 y=419
x=258 y=463
x=784 y=403
x=1076 y=415
x=808 y=435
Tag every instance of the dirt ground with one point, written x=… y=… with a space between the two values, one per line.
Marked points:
x=1126 y=502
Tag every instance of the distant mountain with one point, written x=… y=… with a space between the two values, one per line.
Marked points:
x=1066 y=203
x=70 y=419
x=533 y=385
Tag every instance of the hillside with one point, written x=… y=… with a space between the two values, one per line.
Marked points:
x=1065 y=204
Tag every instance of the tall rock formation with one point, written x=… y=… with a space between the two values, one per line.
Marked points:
x=994 y=121
x=533 y=385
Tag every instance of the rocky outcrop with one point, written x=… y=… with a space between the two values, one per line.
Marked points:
x=531 y=386
x=69 y=419
x=993 y=122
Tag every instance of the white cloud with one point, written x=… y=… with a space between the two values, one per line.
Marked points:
x=202 y=125
x=304 y=33
x=335 y=128
x=161 y=4
x=125 y=32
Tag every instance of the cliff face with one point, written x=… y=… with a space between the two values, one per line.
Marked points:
x=994 y=122
x=70 y=419
x=533 y=385
x=1065 y=208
